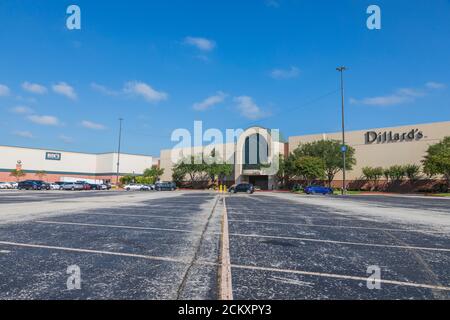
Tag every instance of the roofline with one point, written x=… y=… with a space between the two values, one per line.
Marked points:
x=80 y=152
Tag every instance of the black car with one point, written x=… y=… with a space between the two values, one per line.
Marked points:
x=243 y=187
x=33 y=185
x=165 y=186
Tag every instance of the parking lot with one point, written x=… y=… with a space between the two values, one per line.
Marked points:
x=166 y=245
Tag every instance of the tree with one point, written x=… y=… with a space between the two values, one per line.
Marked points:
x=437 y=160
x=373 y=174
x=126 y=179
x=41 y=174
x=153 y=174
x=395 y=173
x=412 y=171
x=282 y=174
x=17 y=174
x=331 y=154
x=193 y=167
x=309 y=168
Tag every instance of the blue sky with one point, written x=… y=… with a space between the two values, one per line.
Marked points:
x=163 y=64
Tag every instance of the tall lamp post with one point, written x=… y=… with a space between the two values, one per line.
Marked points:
x=344 y=147
x=118 y=152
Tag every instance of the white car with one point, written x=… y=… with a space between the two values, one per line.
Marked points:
x=5 y=185
x=54 y=186
x=135 y=187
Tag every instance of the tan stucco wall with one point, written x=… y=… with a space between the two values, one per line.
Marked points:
x=383 y=154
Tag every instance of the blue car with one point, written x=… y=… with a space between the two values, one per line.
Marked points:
x=318 y=190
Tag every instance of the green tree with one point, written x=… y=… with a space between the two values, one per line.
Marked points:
x=331 y=154
x=127 y=179
x=309 y=168
x=373 y=174
x=17 y=174
x=153 y=174
x=437 y=160
x=395 y=173
x=412 y=171
x=282 y=174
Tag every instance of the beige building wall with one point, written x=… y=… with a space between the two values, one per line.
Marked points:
x=170 y=157
x=383 y=154
x=71 y=162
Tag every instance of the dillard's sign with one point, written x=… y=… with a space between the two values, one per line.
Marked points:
x=389 y=136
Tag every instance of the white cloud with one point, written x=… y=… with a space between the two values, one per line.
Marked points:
x=219 y=97
x=22 y=110
x=92 y=125
x=200 y=43
x=401 y=96
x=272 y=3
x=44 y=120
x=104 y=90
x=65 y=90
x=65 y=138
x=279 y=74
x=248 y=108
x=435 y=85
x=34 y=88
x=24 y=134
x=4 y=90
x=144 y=90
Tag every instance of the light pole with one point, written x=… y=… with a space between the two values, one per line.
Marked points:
x=118 y=152
x=344 y=147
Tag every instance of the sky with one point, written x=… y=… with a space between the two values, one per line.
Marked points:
x=161 y=65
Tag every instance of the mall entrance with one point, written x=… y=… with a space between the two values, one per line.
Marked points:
x=261 y=182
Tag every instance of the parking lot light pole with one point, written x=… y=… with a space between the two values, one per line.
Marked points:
x=118 y=152
x=344 y=151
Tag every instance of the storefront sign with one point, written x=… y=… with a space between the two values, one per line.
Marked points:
x=390 y=137
x=53 y=156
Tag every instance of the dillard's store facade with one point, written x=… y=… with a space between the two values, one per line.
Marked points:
x=381 y=147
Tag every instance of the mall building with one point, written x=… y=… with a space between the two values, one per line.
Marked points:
x=380 y=147
x=70 y=166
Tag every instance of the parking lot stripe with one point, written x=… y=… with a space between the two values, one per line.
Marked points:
x=121 y=254
x=340 y=242
x=339 y=276
x=330 y=226
x=114 y=226
x=140 y=216
x=226 y=289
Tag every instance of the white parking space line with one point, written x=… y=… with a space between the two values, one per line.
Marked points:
x=343 y=277
x=330 y=226
x=248 y=236
x=121 y=254
x=340 y=242
x=236 y=266
x=285 y=215
x=141 y=216
x=114 y=226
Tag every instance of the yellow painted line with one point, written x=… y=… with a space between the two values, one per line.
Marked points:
x=226 y=289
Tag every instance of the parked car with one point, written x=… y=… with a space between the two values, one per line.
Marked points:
x=33 y=185
x=165 y=186
x=136 y=187
x=6 y=185
x=14 y=184
x=96 y=186
x=318 y=190
x=55 y=186
x=243 y=187
x=73 y=186
x=86 y=186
